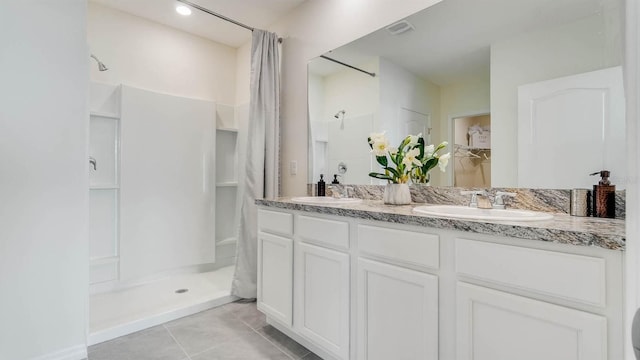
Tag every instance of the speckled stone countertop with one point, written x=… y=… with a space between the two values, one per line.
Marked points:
x=563 y=229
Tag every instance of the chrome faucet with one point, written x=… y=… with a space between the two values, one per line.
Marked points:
x=480 y=199
x=93 y=162
x=498 y=202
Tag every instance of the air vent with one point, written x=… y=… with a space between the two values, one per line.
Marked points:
x=400 y=27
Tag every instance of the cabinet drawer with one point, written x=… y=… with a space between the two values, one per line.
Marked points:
x=275 y=222
x=323 y=231
x=539 y=271
x=410 y=247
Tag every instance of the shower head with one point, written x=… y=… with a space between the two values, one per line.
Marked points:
x=337 y=115
x=101 y=66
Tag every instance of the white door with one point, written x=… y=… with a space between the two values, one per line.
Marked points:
x=570 y=127
x=322 y=298
x=397 y=313
x=493 y=325
x=275 y=277
x=413 y=123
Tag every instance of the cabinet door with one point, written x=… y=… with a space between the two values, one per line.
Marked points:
x=322 y=298
x=494 y=325
x=397 y=313
x=275 y=277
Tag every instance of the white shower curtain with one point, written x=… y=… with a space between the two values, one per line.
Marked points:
x=261 y=180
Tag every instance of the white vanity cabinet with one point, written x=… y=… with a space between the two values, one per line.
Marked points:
x=275 y=265
x=397 y=312
x=397 y=307
x=499 y=325
x=351 y=288
x=322 y=297
x=322 y=286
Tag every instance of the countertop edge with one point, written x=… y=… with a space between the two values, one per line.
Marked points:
x=548 y=231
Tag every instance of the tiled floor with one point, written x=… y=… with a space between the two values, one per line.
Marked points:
x=233 y=331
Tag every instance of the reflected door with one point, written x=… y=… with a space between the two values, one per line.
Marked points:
x=570 y=127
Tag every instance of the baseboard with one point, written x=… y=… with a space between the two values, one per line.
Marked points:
x=77 y=352
x=141 y=324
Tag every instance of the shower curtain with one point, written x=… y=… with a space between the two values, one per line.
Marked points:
x=261 y=180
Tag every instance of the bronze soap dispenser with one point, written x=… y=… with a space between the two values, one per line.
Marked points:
x=604 y=196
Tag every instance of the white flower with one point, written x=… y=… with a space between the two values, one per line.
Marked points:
x=377 y=137
x=428 y=151
x=410 y=158
x=380 y=147
x=443 y=161
x=413 y=139
x=393 y=150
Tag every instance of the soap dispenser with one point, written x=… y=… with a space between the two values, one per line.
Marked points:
x=321 y=186
x=335 y=179
x=604 y=196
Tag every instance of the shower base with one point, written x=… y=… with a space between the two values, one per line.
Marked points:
x=119 y=313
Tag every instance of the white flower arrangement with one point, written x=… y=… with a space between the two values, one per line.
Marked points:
x=412 y=159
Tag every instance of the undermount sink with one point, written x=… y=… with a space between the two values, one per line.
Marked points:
x=328 y=200
x=465 y=212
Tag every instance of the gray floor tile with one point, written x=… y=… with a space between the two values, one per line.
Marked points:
x=152 y=344
x=249 y=346
x=206 y=330
x=248 y=313
x=311 y=356
x=284 y=342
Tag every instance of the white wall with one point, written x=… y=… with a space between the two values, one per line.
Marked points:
x=167 y=183
x=243 y=73
x=311 y=29
x=573 y=48
x=44 y=256
x=401 y=89
x=152 y=56
x=632 y=94
x=358 y=94
x=470 y=96
x=352 y=91
x=319 y=130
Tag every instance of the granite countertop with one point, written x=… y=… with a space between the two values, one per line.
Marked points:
x=563 y=229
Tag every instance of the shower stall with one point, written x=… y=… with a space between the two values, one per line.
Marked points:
x=157 y=252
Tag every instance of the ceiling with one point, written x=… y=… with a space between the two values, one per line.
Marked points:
x=452 y=39
x=254 y=13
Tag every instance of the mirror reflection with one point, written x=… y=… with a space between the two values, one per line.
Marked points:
x=528 y=93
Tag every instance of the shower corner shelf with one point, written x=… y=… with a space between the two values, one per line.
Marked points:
x=229 y=240
x=233 y=130
x=104 y=114
x=104 y=186
x=227 y=184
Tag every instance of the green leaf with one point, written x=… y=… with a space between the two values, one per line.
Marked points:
x=430 y=164
x=380 y=176
x=398 y=158
x=440 y=147
x=382 y=160
x=421 y=146
x=393 y=171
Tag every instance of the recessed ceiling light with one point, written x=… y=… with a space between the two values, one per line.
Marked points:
x=183 y=10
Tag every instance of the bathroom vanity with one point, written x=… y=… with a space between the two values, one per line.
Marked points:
x=371 y=281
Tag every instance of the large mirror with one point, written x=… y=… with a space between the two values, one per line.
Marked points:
x=528 y=93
